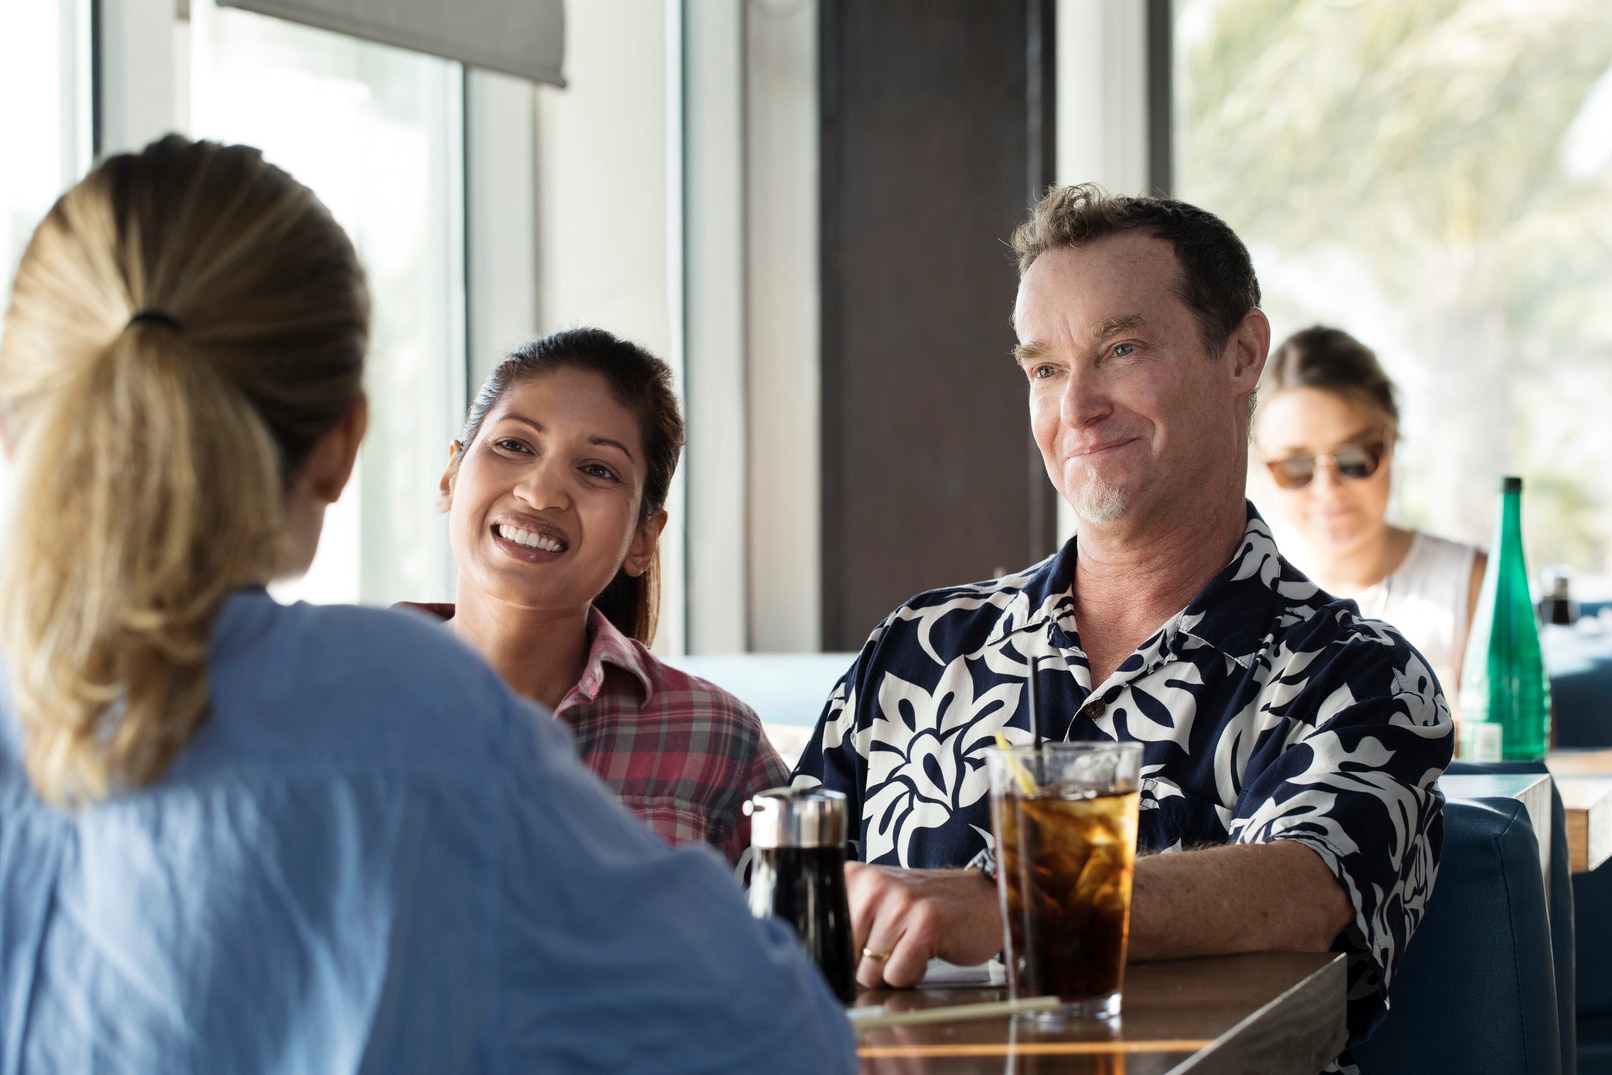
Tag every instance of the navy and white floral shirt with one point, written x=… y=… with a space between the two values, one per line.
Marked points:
x=1268 y=710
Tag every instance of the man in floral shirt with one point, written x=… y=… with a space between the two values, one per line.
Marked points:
x=1291 y=748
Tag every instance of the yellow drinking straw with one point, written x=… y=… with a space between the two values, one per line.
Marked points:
x=1021 y=775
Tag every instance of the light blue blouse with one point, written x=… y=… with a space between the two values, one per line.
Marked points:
x=374 y=858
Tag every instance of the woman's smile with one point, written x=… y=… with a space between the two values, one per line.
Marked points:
x=544 y=504
x=537 y=542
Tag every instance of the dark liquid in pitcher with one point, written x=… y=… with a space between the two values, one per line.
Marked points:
x=805 y=886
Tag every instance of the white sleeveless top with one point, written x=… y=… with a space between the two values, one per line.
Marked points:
x=1426 y=598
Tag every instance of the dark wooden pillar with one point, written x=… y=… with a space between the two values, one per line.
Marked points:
x=936 y=136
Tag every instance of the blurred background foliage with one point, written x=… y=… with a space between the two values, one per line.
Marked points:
x=1434 y=176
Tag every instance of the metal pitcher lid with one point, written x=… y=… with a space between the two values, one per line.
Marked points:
x=787 y=817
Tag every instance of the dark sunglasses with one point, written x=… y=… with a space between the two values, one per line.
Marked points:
x=1356 y=462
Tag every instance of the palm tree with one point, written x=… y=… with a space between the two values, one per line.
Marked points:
x=1444 y=151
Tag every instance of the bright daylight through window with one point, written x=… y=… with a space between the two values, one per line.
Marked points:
x=43 y=60
x=375 y=131
x=1435 y=177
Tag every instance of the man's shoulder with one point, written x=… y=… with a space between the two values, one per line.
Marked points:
x=968 y=612
x=1331 y=645
x=1327 y=621
x=1008 y=584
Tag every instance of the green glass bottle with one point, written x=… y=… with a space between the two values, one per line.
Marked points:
x=1504 y=694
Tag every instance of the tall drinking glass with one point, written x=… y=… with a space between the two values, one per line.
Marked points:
x=1065 y=818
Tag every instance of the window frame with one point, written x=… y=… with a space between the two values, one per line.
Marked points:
x=140 y=51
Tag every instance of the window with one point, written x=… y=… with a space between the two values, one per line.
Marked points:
x=43 y=61
x=1434 y=176
x=376 y=132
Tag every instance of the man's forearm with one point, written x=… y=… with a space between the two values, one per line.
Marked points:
x=1270 y=897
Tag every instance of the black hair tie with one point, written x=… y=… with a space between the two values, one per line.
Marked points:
x=155 y=317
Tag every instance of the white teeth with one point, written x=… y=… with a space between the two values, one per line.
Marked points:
x=529 y=538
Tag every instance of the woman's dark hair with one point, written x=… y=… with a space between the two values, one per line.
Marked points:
x=643 y=384
x=1331 y=360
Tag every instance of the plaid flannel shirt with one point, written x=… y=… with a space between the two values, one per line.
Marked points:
x=679 y=751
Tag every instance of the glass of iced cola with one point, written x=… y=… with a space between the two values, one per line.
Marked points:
x=1064 y=816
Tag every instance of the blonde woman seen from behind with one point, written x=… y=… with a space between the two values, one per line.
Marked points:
x=237 y=836
x=1326 y=429
x=177 y=432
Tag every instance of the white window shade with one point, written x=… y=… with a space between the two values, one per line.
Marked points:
x=525 y=38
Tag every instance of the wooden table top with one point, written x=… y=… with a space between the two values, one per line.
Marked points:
x=1270 y=1012
x=1584 y=777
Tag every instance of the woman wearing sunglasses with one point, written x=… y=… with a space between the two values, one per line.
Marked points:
x=1326 y=429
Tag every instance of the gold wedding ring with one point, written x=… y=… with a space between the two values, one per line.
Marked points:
x=877 y=957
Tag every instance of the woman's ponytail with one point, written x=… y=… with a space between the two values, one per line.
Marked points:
x=159 y=391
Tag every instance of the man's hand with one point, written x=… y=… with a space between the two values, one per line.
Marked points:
x=916 y=916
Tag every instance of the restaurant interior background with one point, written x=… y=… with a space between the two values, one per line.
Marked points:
x=1433 y=175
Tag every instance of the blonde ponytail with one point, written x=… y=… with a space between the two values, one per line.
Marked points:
x=153 y=454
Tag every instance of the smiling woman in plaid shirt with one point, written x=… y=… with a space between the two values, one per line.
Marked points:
x=555 y=494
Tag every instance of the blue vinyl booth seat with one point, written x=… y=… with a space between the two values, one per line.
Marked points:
x=1592 y=895
x=1562 y=900
x=1475 y=993
x=1580 y=662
